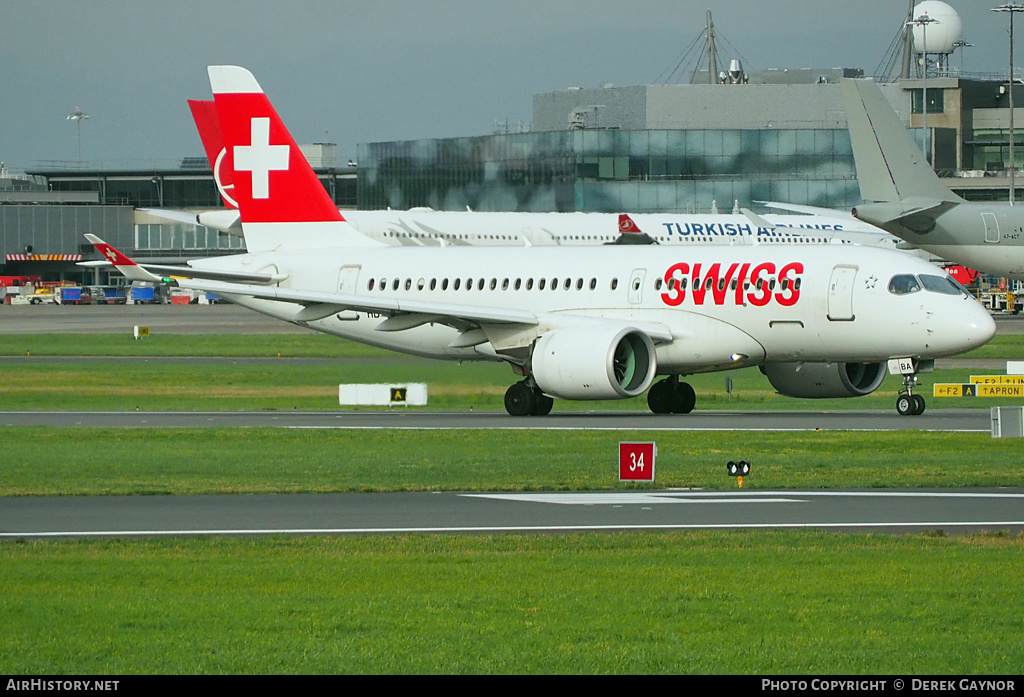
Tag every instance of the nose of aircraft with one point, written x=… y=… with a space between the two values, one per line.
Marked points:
x=967 y=326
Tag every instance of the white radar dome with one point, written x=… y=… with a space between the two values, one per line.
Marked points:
x=941 y=34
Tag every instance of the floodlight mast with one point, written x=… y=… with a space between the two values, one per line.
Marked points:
x=923 y=21
x=1011 y=8
x=77 y=117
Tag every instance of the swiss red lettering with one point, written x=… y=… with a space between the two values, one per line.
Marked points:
x=757 y=286
x=760 y=292
x=674 y=276
x=697 y=288
x=738 y=300
x=788 y=277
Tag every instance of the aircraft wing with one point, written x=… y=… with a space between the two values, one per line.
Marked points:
x=400 y=314
x=332 y=303
x=225 y=220
x=808 y=210
x=165 y=272
x=158 y=273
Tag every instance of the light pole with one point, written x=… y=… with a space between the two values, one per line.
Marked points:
x=77 y=117
x=962 y=44
x=923 y=21
x=1011 y=8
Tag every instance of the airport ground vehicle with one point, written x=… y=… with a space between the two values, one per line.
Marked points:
x=71 y=295
x=106 y=295
x=1000 y=294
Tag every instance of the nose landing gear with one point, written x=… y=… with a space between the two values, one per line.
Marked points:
x=908 y=403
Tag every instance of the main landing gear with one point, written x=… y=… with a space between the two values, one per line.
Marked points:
x=526 y=399
x=671 y=397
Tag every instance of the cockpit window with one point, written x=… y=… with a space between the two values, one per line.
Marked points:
x=940 y=284
x=903 y=284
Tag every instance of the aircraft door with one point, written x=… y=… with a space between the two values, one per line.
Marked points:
x=347 y=279
x=636 y=286
x=840 y=294
x=991 y=227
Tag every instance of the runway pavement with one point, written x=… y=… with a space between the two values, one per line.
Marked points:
x=964 y=420
x=890 y=511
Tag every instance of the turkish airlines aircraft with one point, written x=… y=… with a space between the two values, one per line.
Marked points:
x=575 y=323
x=426 y=227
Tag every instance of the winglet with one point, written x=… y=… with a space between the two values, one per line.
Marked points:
x=126 y=266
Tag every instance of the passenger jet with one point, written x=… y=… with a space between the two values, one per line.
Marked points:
x=592 y=323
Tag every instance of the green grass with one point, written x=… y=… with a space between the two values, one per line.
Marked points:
x=806 y=603
x=55 y=461
x=238 y=385
x=796 y=602
x=192 y=384
x=311 y=345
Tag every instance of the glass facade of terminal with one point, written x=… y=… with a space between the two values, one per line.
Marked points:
x=185 y=238
x=611 y=171
x=172 y=191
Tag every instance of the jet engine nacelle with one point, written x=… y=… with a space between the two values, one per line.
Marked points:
x=594 y=362
x=818 y=380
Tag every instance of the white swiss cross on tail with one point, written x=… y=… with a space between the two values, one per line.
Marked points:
x=260 y=157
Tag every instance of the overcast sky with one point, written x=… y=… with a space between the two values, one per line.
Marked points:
x=355 y=71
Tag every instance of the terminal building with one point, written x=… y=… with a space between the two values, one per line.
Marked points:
x=722 y=138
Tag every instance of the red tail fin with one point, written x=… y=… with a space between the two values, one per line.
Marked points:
x=204 y=113
x=626 y=224
x=273 y=181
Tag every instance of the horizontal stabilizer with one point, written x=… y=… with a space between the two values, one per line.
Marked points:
x=918 y=215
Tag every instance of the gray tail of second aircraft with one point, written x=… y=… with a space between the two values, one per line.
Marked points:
x=890 y=165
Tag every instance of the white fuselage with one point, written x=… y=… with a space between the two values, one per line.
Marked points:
x=430 y=228
x=433 y=228
x=743 y=305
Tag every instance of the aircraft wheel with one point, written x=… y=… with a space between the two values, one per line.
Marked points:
x=520 y=400
x=542 y=404
x=905 y=405
x=685 y=399
x=918 y=405
x=660 y=397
